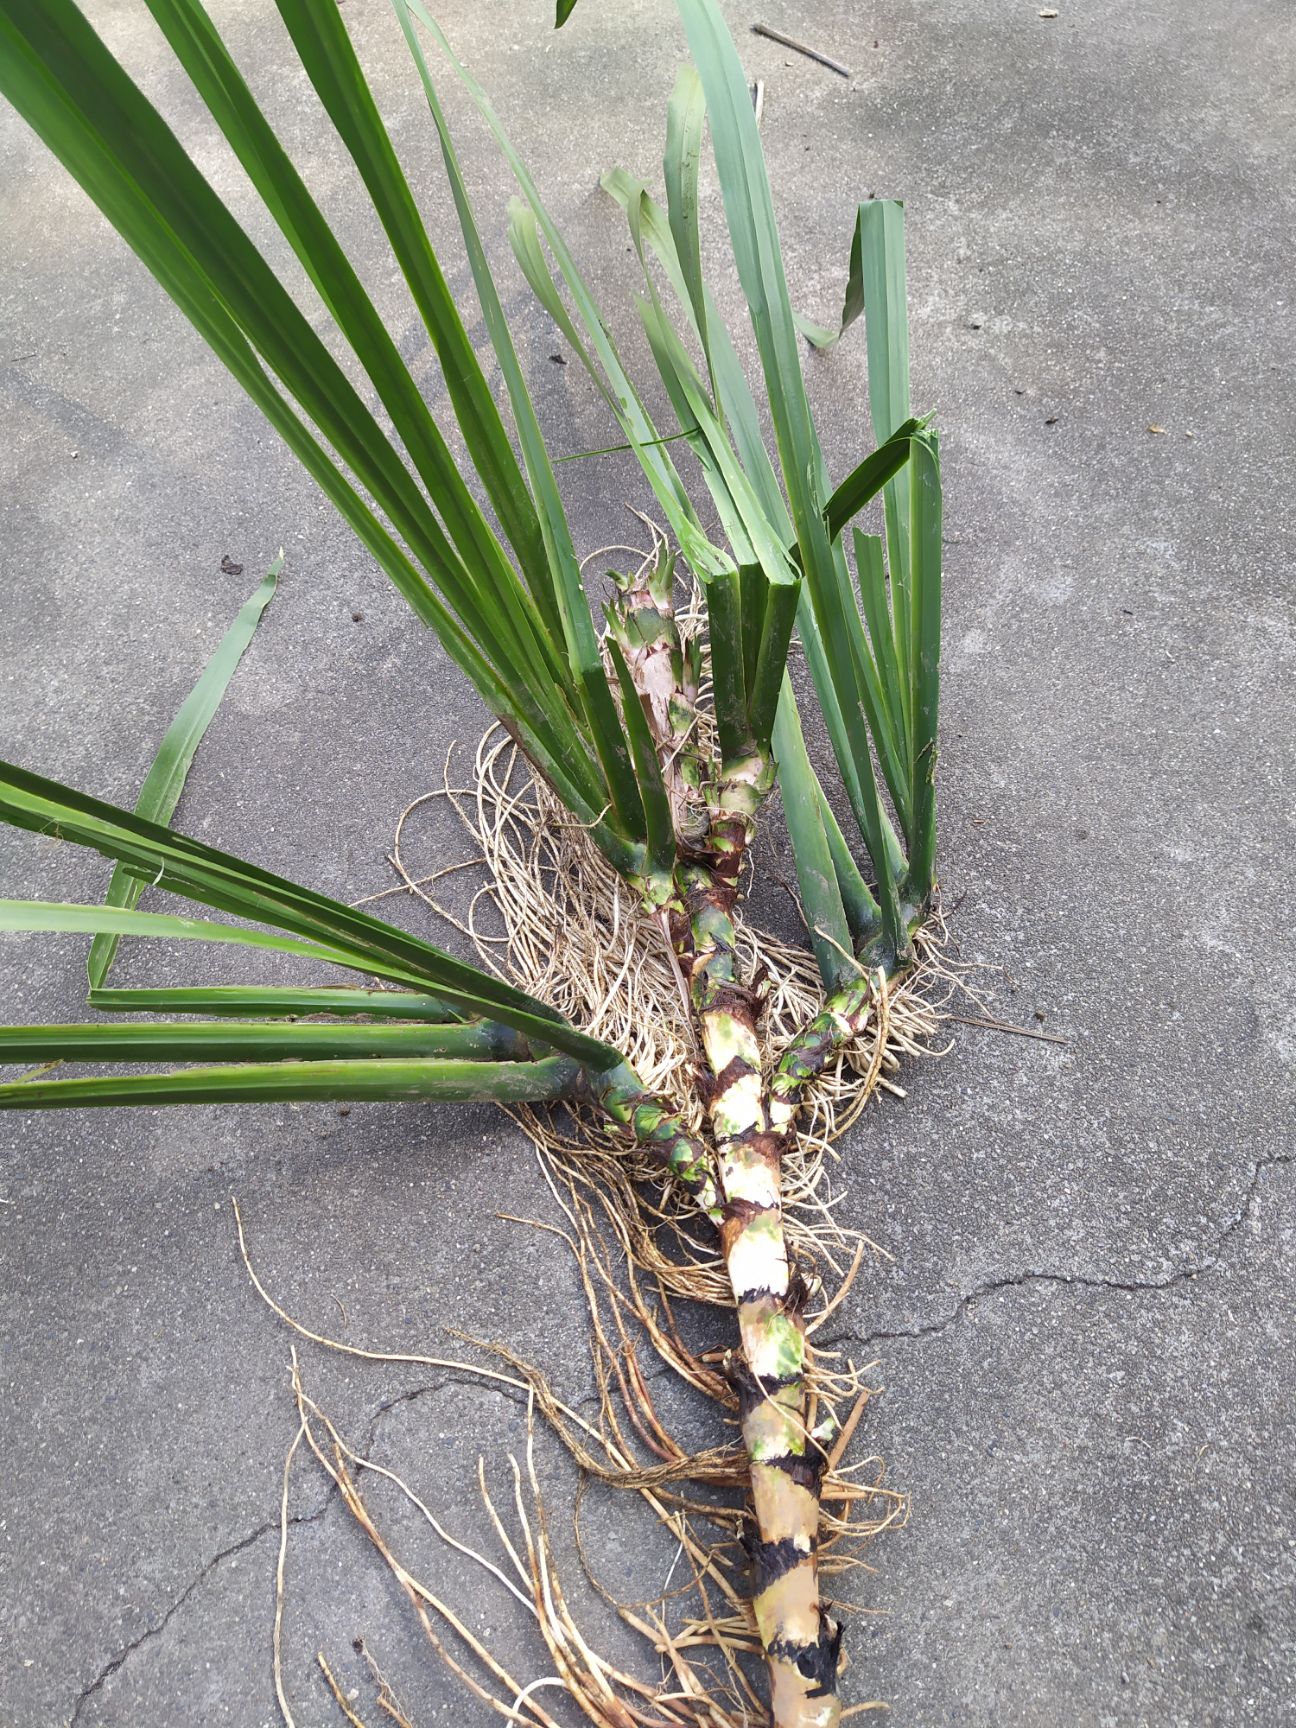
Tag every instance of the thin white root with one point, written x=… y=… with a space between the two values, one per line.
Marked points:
x=280 y=1569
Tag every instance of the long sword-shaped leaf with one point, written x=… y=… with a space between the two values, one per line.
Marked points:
x=860 y=906
x=139 y=144
x=536 y=1020
x=661 y=828
x=63 y=80
x=165 y=780
x=877 y=612
x=218 y=879
x=649 y=225
x=768 y=591
x=871 y=696
x=771 y=661
x=633 y=417
x=30 y=916
x=821 y=899
x=562 y=595
x=275 y=1002
x=226 y=1041
x=747 y=524
x=205 y=58
x=886 y=326
x=866 y=480
x=854 y=773
x=324 y=47
x=745 y=520
x=257 y=1083
x=728 y=663
x=851 y=496
x=525 y=237
x=734 y=392
x=753 y=232
x=925 y=619
x=685 y=116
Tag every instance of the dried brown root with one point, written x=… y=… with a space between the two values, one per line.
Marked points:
x=339 y=1697
x=553 y=917
x=605 y=1695
x=705 y=1529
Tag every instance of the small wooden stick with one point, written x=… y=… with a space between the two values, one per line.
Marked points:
x=801 y=48
x=1007 y=1026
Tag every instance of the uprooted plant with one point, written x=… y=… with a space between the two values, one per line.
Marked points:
x=655 y=745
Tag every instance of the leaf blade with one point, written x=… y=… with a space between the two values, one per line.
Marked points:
x=549 y=1078
x=273 y=1001
x=218 y=879
x=229 y=1041
x=165 y=780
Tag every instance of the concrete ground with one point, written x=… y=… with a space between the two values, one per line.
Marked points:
x=1085 y=1331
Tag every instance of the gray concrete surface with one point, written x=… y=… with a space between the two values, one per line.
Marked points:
x=1085 y=1332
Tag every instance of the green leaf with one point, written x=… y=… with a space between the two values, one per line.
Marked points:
x=216 y=78
x=271 y=1002
x=753 y=232
x=925 y=543
x=63 y=80
x=870 y=818
x=324 y=47
x=661 y=826
x=767 y=589
x=228 y=1041
x=886 y=324
x=255 y=1083
x=871 y=696
x=58 y=916
x=685 y=115
x=748 y=527
x=821 y=900
x=727 y=374
x=612 y=380
x=350 y=937
x=853 y=303
x=609 y=373
x=865 y=481
x=562 y=594
x=564 y=12
x=771 y=661
x=880 y=232
x=753 y=588
x=860 y=906
x=854 y=664
x=165 y=780
x=723 y=594
x=877 y=614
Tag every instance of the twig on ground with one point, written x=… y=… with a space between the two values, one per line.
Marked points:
x=801 y=48
x=1006 y=1026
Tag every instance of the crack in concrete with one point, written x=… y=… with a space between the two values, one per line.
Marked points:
x=464 y=1377
x=1207 y=1260
x=119 y=1661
